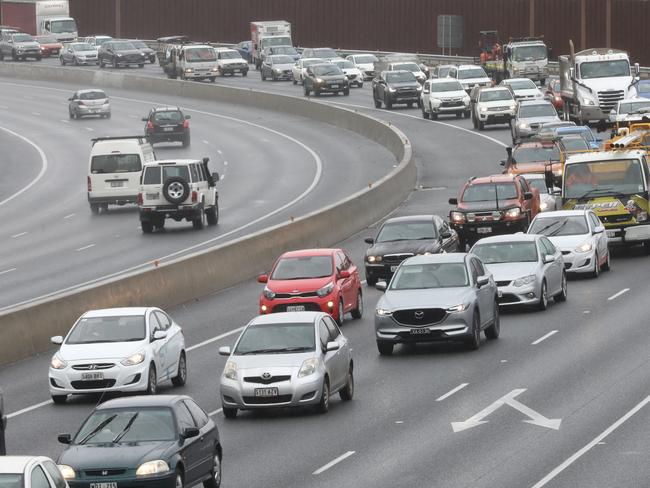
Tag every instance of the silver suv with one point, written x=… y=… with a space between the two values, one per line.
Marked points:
x=180 y=190
x=19 y=46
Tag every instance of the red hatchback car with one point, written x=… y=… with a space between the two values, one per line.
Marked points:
x=313 y=280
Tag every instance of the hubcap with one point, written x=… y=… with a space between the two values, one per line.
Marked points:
x=152 y=381
x=183 y=368
x=179 y=481
x=175 y=190
x=217 y=470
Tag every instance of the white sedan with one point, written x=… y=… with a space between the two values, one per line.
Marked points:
x=299 y=70
x=118 y=349
x=351 y=72
x=30 y=471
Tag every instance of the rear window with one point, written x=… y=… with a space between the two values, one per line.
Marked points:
x=168 y=116
x=116 y=163
x=152 y=174
x=95 y=95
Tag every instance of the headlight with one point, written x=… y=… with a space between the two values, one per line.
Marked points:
x=215 y=69
x=152 y=467
x=466 y=100
x=276 y=70
x=318 y=80
x=188 y=70
x=230 y=370
x=57 y=363
x=268 y=293
x=544 y=205
x=526 y=280
x=457 y=217
x=523 y=125
x=585 y=247
x=558 y=171
x=459 y=308
x=391 y=89
x=435 y=101
x=118 y=55
x=484 y=109
x=513 y=213
x=134 y=359
x=67 y=472
x=512 y=107
x=308 y=367
x=326 y=290
x=587 y=101
x=374 y=259
x=382 y=312
x=418 y=88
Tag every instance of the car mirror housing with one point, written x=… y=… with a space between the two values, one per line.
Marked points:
x=190 y=432
x=344 y=274
x=263 y=278
x=453 y=201
x=381 y=285
x=64 y=438
x=188 y=117
x=549 y=258
x=599 y=230
x=332 y=346
x=369 y=240
x=224 y=351
x=159 y=335
x=145 y=119
x=502 y=162
x=445 y=234
x=528 y=196
x=215 y=176
x=58 y=340
x=481 y=281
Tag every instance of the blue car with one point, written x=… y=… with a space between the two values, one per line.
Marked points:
x=245 y=48
x=582 y=130
x=643 y=88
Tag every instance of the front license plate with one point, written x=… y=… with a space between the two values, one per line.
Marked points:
x=611 y=233
x=393 y=268
x=266 y=392
x=168 y=129
x=295 y=308
x=110 y=484
x=335 y=86
x=420 y=331
x=484 y=230
x=92 y=376
x=116 y=184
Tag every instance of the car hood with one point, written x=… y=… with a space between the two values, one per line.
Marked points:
x=497 y=103
x=606 y=84
x=91 y=52
x=298 y=286
x=332 y=77
x=538 y=120
x=269 y=362
x=428 y=298
x=448 y=94
x=397 y=247
x=27 y=44
x=366 y=66
x=351 y=71
x=52 y=45
x=487 y=205
x=511 y=271
x=126 y=52
x=404 y=84
x=100 y=350
x=527 y=92
x=282 y=67
x=109 y=456
x=146 y=50
x=472 y=81
x=569 y=243
x=233 y=61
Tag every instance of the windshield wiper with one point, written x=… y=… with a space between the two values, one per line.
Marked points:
x=555 y=222
x=607 y=191
x=555 y=232
x=276 y=349
x=98 y=428
x=126 y=427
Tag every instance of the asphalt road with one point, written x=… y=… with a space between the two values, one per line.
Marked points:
x=578 y=371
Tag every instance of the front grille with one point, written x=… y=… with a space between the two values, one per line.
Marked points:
x=251 y=400
x=503 y=283
x=92 y=385
x=612 y=219
x=508 y=298
x=396 y=258
x=497 y=109
x=307 y=294
x=403 y=92
x=352 y=77
x=607 y=99
x=267 y=381
x=452 y=103
x=93 y=366
x=568 y=265
x=104 y=472
x=566 y=252
x=420 y=317
x=309 y=307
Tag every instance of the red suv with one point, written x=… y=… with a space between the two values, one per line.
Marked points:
x=313 y=280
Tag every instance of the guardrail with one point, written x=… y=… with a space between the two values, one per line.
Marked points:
x=26 y=330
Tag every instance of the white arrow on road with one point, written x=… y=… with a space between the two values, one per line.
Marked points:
x=536 y=418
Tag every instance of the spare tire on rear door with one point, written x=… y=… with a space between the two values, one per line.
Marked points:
x=176 y=190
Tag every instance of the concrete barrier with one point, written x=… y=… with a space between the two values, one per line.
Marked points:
x=26 y=330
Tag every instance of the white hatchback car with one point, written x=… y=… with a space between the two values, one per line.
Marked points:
x=30 y=471
x=365 y=63
x=299 y=70
x=118 y=349
x=351 y=72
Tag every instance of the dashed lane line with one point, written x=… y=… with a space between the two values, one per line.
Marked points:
x=616 y=295
x=451 y=392
x=334 y=462
x=543 y=338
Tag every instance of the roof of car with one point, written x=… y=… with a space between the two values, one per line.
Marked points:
x=571 y=129
x=510 y=80
x=494 y=88
x=91 y=90
x=310 y=252
x=518 y=237
x=222 y=49
x=535 y=143
x=533 y=176
x=561 y=213
x=169 y=162
x=284 y=317
x=502 y=178
x=442 y=80
x=467 y=66
x=537 y=101
x=116 y=312
x=411 y=218
x=142 y=401
x=595 y=156
x=166 y=109
x=450 y=257
x=17 y=464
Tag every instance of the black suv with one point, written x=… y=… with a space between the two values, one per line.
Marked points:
x=325 y=78
x=167 y=124
x=120 y=53
x=391 y=87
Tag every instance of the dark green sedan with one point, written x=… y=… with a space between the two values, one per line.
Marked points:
x=164 y=441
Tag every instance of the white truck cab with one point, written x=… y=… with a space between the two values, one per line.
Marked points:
x=192 y=62
x=229 y=61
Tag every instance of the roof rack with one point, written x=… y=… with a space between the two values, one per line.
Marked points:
x=113 y=138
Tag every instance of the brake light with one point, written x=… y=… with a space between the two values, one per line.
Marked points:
x=81 y=102
x=195 y=196
x=149 y=126
x=186 y=124
x=90 y=184
x=139 y=200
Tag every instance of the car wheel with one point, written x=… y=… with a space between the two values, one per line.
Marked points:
x=474 y=342
x=360 y=85
x=14 y=56
x=561 y=297
x=115 y=65
x=377 y=103
x=324 y=404
x=199 y=222
x=176 y=190
x=543 y=297
x=385 y=348
x=306 y=90
x=94 y=207
x=244 y=73
x=263 y=76
x=341 y=314
x=179 y=483
x=181 y=374
x=71 y=114
x=607 y=266
x=434 y=116
x=357 y=313
x=459 y=115
x=212 y=214
x=646 y=247
x=388 y=103
x=347 y=392
x=481 y=125
x=59 y=399
x=101 y=64
x=159 y=223
x=295 y=82
x=214 y=481
x=2 y=56
x=75 y=61
x=141 y=65
x=596 y=272
x=229 y=413
x=346 y=92
x=409 y=104
x=108 y=115
x=493 y=331
x=425 y=114
x=152 y=381
x=186 y=140
x=317 y=92
x=147 y=226
x=371 y=281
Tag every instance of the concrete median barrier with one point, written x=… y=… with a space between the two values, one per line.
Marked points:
x=26 y=330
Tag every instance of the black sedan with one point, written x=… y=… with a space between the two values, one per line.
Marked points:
x=164 y=441
x=402 y=237
x=325 y=78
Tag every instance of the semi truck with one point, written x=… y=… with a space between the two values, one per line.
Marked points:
x=593 y=81
x=41 y=17
x=525 y=57
x=268 y=33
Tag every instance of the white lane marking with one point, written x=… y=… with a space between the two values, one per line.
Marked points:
x=133 y=116
x=215 y=412
x=36 y=113
x=543 y=338
x=616 y=295
x=28 y=409
x=399 y=422
x=225 y=163
x=451 y=392
x=214 y=339
x=219 y=151
x=64 y=121
x=85 y=247
x=40 y=174
x=205 y=142
x=18 y=235
x=591 y=444
x=90 y=129
x=222 y=177
x=8 y=271
x=334 y=462
x=3 y=107
x=69 y=215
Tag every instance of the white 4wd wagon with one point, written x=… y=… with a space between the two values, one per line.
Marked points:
x=178 y=189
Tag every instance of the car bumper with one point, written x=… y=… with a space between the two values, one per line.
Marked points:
x=113 y=199
x=121 y=62
x=396 y=98
x=87 y=61
x=633 y=234
x=93 y=110
x=380 y=272
x=176 y=212
x=495 y=117
x=475 y=231
x=227 y=69
x=200 y=75
x=455 y=326
x=328 y=304
x=589 y=112
x=292 y=393
x=578 y=262
x=165 y=481
x=518 y=295
x=167 y=136
x=441 y=109
x=118 y=378
x=331 y=89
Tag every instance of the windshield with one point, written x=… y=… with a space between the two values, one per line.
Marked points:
x=367 y=59
x=631 y=107
x=82 y=46
x=101 y=40
x=521 y=84
x=537 y=110
x=200 y=54
x=538 y=183
x=495 y=95
x=123 y=46
x=325 y=53
x=116 y=163
x=230 y=55
x=275 y=41
x=571 y=225
x=430 y=275
x=603 y=178
x=406 y=67
x=92 y=95
x=281 y=59
x=443 y=72
x=276 y=338
x=330 y=70
x=47 y=40
x=506 y=252
x=127 y=425
x=138 y=44
x=486 y=192
x=60 y=26
x=446 y=86
x=309 y=62
x=11 y=480
x=163 y=116
x=303 y=267
x=604 y=69
x=93 y=330
x=407 y=231
x=284 y=50
x=22 y=38
x=465 y=74
x=536 y=154
x=344 y=64
x=575 y=143
x=529 y=53
x=400 y=77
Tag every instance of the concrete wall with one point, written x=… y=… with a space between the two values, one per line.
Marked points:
x=26 y=330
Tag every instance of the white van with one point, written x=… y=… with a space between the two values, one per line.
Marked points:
x=114 y=170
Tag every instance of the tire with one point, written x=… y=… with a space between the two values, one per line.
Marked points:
x=94 y=207
x=59 y=399
x=141 y=65
x=212 y=214
x=199 y=222
x=377 y=103
x=434 y=116
x=385 y=348
x=2 y=56
x=493 y=331
x=214 y=481
x=607 y=266
x=159 y=223
x=389 y=104
x=62 y=61
x=357 y=312
x=75 y=61
x=646 y=248
x=186 y=140
x=481 y=125
x=115 y=65
x=561 y=297
x=180 y=482
x=346 y=92
x=341 y=314
x=306 y=90
x=316 y=92
x=474 y=342
x=229 y=413
x=176 y=190
x=371 y=281
x=360 y=85
x=263 y=76
x=409 y=104
x=459 y=115
x=108 y=115
x=14 y=56
x=596 y=272
x=152 y=381
x=425 y=114
x=347 y=392
x=147 y=226
x=38 y=58
x=244 y=73
x=543 y=297
x=324 y=403
x=295 y=82
x=101 y=64
x=181 y=374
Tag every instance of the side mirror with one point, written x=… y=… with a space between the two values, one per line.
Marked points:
x=332 y=346
x=453 y=201
x=612 y=112
x=369 y=240
x=188 y=117
x=599 y=230
x=215 y=176
x=571 y=73
x=64 y=438
x=528 y=196
x=509 y=151
x=159 y=335
x=58 y=340
x=446 y=234
x=145 y=119
x=549 y=258
x=426 y=91
x=189 y=432
x=381 y=285
x=502 y=162
x=263 y=278
x=70 y=99
x=344 y=274
x=481 y=281
x=549 y=178
x=224 y=351
x=637 y=69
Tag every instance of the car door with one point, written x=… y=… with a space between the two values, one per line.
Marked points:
x=344 y=284
x=173 y=343
x=599 y=236
x=553 y=270
x=484 y=293
x=37 y=477
x=208 y=438
x=55 y=478
x=158 y=347
x=448 y=237
x=342 y=356
x=192 y=450
x=328 y=357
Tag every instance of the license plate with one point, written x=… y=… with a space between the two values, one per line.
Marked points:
x=484 y=230
x=153 y=196
x=420 y=331
x=266 y=392
x=611 y=233
x=116 y=184
x=335 y=86
x=92 y=376
x=393 y=268
x=167 y=129
x=295 y=308
x=110 y=484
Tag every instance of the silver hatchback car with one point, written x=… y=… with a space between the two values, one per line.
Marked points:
x=437 y=297
x=287 y=359
x=89 y=102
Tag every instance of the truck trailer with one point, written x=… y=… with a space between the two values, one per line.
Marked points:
x=41 y=17
x=268 y=33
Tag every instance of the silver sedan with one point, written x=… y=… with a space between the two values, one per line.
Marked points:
x=528 y=269
x=287 y=359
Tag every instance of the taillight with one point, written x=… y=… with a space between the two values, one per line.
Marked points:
x=186 y=124
x=81 y=102
x=149 y=126
x=195 y=196
x=139 y=199
x=90 y=184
